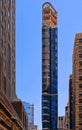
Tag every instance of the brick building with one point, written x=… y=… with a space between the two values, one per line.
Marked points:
x=12 y=113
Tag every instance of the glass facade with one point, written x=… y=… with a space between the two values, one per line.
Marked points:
x=50 y=83
x=30 y=112
x=54 y=78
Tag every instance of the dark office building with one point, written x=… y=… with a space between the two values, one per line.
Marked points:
x=49 y=67
x=12 y=113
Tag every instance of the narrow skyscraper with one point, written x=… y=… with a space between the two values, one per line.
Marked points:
x=49 y=67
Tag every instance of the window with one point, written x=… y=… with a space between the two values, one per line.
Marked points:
x=8 y=14
x=1 y=16
x=9 y=62
x=80 y=100
x=46 y=40
x=44 y=80
x=80 y=78
x=46 y=73
x=1 y=30
x=1 y=45
x=80 y=40
x=80 y=123
x=5 y=84
x=80 y=85
x=80 y=108
x=8 y=37
x=80 y=71
x=80 y=63
x=8 y=1
x=80 y=115
x=80 y=93
x=8 y=26
x=45 y=32
x=80 y=48
x=1 y=3
x=80 y=55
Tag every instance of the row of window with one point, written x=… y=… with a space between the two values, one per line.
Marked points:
x=46 y=73
x=80 y=48
x=7 y=13
x=45 y=66
x=80 y=40
x=7 y=36
x=8 y=2
x=7 y=26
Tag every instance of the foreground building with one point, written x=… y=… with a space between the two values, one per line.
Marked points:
x=12 y=113
x=49 y=67
x=77 y=83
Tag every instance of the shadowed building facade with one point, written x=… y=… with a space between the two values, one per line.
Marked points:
x=12 y=113
x=71 y=123
x=49 y=67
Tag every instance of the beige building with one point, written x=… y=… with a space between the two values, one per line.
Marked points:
x=63 y=121
x=12 y=113
x=77 y=82
x=60 y=122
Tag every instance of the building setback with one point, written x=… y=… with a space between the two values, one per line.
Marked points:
x=49 y=67
x=12 y=113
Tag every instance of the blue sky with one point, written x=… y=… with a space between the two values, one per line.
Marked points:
x=28 y=49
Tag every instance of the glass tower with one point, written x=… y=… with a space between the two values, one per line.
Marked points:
x=49 y=67
x=30 y=112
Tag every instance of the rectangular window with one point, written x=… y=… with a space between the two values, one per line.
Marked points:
x=80 y=115
x=80 y=123
x=80 y=85
x=80 y=71
x=80 y=63
x=80 y=78
x=80 y=55
x=80 y=100
x=80 y=48
x=80 y=93
x=80 y=108
x=45 y=40
x=5 y=84
x=80 y=40
x=1 y=3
